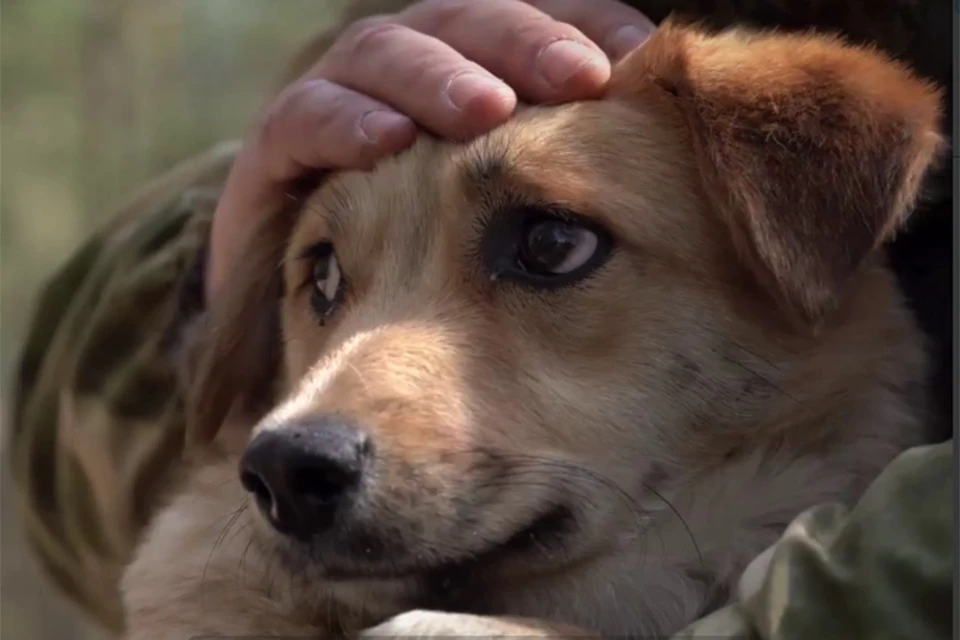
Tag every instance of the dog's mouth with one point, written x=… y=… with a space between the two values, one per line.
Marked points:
x=540 y=545
x=369 y=557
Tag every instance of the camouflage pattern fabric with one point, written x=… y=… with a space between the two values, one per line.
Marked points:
x=98 y=418
x=881 y=570
x=98 y=422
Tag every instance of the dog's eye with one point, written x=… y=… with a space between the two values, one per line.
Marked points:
x=556 y=247
x=544 y=247
x=326 y=278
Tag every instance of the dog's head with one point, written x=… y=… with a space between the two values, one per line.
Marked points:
x=496 y=359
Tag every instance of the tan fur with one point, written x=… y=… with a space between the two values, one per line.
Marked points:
x=743 y=354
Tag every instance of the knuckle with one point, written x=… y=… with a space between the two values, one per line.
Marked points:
x=541 y=5
x=304 y=106
x=442 y=5
x=368 y=34
x=276 y=115
x=532 y=34
x=540 y=30
x=316 y=103
x=438 y=14
x=269 y=121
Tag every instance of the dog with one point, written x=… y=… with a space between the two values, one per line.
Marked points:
x=567 y=378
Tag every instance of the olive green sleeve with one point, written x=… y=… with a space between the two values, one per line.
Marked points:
x=883 y=569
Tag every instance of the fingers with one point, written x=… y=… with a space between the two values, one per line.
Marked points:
x=312 y=125
x=453 y=67
x=615 y=26
x=442 y=61
x=419 y=75
x=322 y=124
x=543 y=59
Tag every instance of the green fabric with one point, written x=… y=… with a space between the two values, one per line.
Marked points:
x=881 y=570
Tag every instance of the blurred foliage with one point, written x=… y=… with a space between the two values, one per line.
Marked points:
x=97 y=96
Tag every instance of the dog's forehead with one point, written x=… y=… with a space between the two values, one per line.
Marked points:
x=604 y=159
x=395 y=192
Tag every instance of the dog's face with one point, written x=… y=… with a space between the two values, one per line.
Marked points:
x=499 y=358
x=510 y=342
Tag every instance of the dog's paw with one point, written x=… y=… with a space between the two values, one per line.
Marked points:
x=435 y=624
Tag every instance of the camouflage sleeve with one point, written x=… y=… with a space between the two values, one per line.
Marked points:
x=97 y=419
x=98 y=422
x=881 y=570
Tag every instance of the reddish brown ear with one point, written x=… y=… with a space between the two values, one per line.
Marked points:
x=812 y=150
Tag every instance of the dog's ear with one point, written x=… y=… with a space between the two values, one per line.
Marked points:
x=812 y=150
x=236 y=350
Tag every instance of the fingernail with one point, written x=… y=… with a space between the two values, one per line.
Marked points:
x=562 y=60
x=626 y=39
x=465 y=88
x=377 y=124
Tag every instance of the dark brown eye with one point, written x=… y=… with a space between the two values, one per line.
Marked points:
x=326 y=278
x=556 y=247
x=543 y=246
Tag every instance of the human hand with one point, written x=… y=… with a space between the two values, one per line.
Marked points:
x=453 y=67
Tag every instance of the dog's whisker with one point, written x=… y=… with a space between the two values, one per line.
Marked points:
x=764 y=379
x=331 y=606
x=338 y=611
x=268 y=572
x=680 y=517
x=529 y=463
x=242 y=562
x=620 y=492
x=754 y=373
x=233 y=518
x=580 y=470
x=638 y=515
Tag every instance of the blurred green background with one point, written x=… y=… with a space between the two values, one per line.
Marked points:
x=97 y=96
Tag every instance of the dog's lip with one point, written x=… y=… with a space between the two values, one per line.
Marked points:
x=550 y=525
x=544 y=531
x=455 y=584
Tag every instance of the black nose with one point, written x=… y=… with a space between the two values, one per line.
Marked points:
x=301 y=473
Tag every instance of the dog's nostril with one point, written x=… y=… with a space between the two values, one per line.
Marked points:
x=253 y=484
x=259 y=490
x=322 y=484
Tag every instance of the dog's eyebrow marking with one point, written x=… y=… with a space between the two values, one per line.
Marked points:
x=486 y=169
x=334 y=207
x=494 y=186
x=483 y=171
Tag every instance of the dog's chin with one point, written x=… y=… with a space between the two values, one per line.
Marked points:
x=364 y=555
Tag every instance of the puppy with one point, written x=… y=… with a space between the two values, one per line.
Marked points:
x=569 y=377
